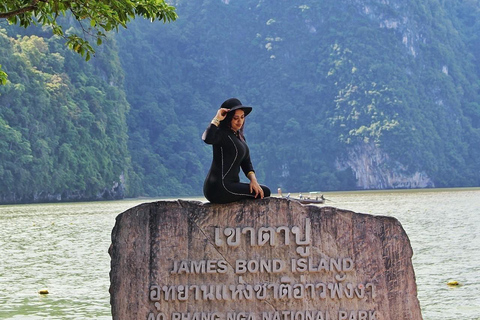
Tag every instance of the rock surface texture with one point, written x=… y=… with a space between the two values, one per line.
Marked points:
x=271 y=259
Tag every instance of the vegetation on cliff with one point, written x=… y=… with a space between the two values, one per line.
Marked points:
x=331 y=82
x=62 y=122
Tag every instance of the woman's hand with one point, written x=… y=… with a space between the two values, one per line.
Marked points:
x=254 y=186
x=222 y=113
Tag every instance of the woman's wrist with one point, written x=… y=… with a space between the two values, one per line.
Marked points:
x=215 y=121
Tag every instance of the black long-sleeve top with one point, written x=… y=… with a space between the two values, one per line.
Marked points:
x=230 y=153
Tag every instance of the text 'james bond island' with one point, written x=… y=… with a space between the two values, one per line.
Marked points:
x=273 y=259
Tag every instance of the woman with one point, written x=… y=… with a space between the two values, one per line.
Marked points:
x=230 y=153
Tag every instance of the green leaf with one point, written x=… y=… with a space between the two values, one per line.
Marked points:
x=3 y=76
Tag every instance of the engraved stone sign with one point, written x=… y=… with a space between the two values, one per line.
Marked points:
x=270 y=259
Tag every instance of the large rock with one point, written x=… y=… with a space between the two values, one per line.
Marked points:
x=271 y=259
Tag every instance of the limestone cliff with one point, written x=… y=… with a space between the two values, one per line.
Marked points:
x=374 y=169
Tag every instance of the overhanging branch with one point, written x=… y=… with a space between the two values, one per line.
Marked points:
x=32 y=6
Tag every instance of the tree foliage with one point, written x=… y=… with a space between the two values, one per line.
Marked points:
x=94 y=18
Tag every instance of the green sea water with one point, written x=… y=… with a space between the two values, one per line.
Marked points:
x=64 y=248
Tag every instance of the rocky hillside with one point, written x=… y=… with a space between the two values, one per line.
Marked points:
x=357 y=94
x=346 y=94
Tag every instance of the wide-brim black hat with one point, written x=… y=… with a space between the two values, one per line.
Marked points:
x=235 y=104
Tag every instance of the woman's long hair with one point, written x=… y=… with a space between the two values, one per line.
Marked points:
x=226 y=124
